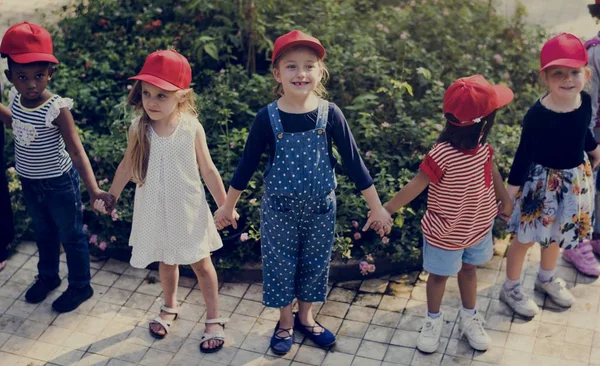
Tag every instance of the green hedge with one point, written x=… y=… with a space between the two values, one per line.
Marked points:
x=390 y=63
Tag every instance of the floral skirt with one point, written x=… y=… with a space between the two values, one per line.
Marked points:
x=555 y=205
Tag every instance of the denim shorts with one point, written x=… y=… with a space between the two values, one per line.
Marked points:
x=444 y=262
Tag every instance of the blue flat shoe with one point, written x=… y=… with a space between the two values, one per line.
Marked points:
x=323 y=339
x=281 y=345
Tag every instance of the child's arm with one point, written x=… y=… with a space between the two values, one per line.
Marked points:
x=501 y=194
x=594 y=157
x=408 y=193
x=5 y=116
x=211 y=175
x=124 y=171
x=66 y=124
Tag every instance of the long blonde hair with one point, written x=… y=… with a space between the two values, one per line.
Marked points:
x=140 y=152
x=320 y=90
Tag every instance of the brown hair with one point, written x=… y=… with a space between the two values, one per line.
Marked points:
x=594 y=10
x=466 y=137
x=141 y=143
x=320 y=90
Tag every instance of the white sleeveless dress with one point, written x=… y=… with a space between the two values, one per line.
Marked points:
x=172 y=222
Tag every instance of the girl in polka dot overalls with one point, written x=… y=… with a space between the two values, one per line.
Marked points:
x=298 y=207
x=167 y=156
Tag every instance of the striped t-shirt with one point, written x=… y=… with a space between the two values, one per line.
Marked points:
x=39 y=146
x=461 y=203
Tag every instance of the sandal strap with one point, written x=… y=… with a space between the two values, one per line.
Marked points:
x=166 y=309
x=166 y=324
x=220 y=321
x=288 y=331
x=219 y=336
x=312 y=328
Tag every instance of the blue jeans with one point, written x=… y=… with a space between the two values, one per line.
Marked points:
x=54 y=205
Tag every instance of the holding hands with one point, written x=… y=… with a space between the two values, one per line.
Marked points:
x=379 y=220
x=104 y=202
x=226 y=216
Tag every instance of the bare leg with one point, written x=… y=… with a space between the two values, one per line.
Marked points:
x=467 y=284
x=286 y=321
x=515 y=258
x=306 y=317
x=436 y=285
x=550 y=257
x=207 y=280
x=169 y=278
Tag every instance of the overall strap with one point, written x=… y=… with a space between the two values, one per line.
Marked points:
x=275 y=118
x=322 y=115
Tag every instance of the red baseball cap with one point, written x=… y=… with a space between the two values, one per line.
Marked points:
x=563 y=50
x=296 y=38
x=166 y=69
x=26 y=42
x=471 y=98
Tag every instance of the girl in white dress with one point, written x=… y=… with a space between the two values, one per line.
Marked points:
x=172 y=222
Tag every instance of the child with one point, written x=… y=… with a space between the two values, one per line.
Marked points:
x=464 y=185
x=49 y=160
x=172 y=222
x=551 y=177
x=298 y=207
x=582 y=256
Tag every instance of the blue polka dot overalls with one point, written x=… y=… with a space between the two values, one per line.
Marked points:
x=297 y=214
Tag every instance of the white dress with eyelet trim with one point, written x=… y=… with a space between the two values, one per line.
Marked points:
x=172 y=222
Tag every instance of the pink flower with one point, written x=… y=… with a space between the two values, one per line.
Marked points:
x=97 y=159
x=94 y=239
x=231 y=145
x=371 y=268
x=253 y=201
x=404 y=36
x=244 y=237
x=386 y=124
x=368 y=154
x=385 y=240
x=355 y=224
x=506 y=76
x=113 y=239
x=498 y=59
x=369 y=257
x=363 y=266
x=85 y=228
x=114 y=215
x=357 y=236
x=102 y=245
x=129 y=87
x=11 y=169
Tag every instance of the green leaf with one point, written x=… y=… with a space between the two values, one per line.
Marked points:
x=212 y=50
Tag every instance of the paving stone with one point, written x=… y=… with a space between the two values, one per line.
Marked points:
x=375 y=285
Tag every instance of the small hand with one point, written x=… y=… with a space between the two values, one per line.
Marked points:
x=225 y=217
x=104 y=202
x=379 y=220
x=505 y=210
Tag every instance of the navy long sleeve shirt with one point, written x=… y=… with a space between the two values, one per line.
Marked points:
x=261 y=138
x=553 y=140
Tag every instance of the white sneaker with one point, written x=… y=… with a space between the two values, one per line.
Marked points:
x=472 y=327
x=429 y=339
x=556 y=288
x=519 y=302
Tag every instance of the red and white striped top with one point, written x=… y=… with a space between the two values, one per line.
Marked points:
x=461 y=203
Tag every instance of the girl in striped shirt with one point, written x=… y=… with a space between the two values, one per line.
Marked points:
x=464 y=186
x=49 y=160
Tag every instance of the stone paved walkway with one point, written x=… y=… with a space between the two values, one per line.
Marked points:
x=376 y=321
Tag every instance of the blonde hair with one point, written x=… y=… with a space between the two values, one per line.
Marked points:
x=140 y=152
x=320 y=90
x=544 y=73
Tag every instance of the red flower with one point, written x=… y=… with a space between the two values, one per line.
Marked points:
x=103 y=21
x=156 y=23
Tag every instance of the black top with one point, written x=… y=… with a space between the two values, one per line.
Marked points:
x=261 y=137
x=553 y=140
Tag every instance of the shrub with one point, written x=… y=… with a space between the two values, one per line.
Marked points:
x=390 y=63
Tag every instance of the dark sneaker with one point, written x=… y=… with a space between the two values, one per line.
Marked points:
x=40 y=289
x=72 y=298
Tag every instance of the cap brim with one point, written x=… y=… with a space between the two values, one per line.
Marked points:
x=156 y=81
x=27 y=58
x=318 y=48
x=565 y=62
x=503 y=94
